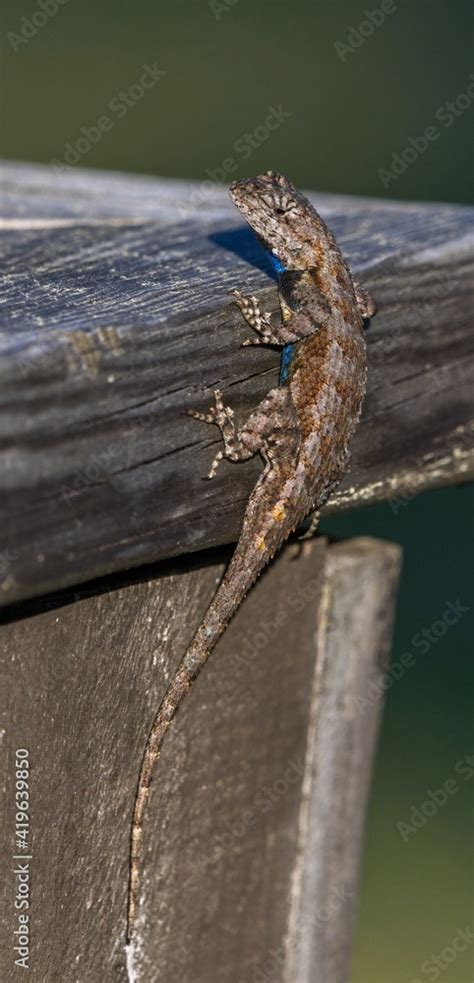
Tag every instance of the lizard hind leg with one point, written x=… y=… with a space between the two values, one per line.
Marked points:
x=222 y=416
x=312 y=527
x=270 y=422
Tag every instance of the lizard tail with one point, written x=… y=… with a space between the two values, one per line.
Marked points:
x=181 y=683
x=241 y=573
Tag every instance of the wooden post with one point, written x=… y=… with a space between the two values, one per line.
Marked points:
x=253 y=832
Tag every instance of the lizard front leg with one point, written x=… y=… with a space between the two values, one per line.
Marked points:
x=303 y=308
x=260 y=322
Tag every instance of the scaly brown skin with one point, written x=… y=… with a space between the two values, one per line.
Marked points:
x=302 y=429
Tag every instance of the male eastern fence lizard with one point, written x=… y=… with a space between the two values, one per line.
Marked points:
x=301 y=429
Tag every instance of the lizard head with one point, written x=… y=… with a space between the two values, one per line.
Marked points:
x=283 y=219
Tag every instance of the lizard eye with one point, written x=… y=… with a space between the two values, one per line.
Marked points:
x=285 y=205
x=281 y=206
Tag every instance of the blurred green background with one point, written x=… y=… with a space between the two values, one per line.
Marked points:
x=347 y=104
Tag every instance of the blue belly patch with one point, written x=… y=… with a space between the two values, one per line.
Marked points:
x=289 y=350
x=286 y=360
x=277 y=266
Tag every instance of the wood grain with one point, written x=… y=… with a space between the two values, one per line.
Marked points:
x=116 y=319
x=253 y=832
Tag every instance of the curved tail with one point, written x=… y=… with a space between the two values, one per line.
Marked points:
x=243 y=569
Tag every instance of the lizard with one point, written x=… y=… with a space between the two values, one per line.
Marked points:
x=301 y=429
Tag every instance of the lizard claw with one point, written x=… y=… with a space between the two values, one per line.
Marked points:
x=247 y=304
x=238 y=298
x=216 y=413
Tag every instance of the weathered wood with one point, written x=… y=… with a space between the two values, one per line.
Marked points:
x=116 y=319
x=252 y=837
x=354 y=634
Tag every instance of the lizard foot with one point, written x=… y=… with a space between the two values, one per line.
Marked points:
x=218 y=414
x=365 y=302
x=260 y=322
x=303 y=543
x=310 y=532
x=223 y=417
